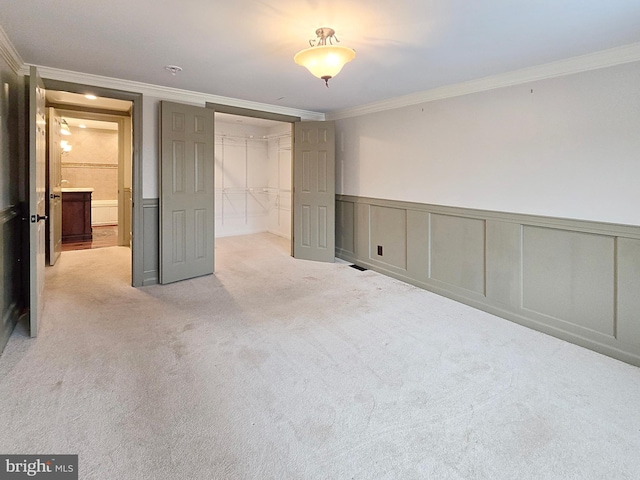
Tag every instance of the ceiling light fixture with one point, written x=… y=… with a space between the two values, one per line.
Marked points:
x=173 y=69
x=64 y=127
x=90 y=97
x=322 y=60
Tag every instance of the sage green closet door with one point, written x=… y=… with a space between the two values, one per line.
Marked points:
x=314 y=191
x=187 y=192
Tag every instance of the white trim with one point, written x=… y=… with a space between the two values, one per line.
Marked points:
x=582 y=63
x=104 y=212
x=103 y=203
x=166 y=93
x=591 y=61
x=9 y=52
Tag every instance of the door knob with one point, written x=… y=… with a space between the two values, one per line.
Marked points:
x=37 y=218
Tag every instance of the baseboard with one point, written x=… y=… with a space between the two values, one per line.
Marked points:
x=150 y=278
x=279 y=234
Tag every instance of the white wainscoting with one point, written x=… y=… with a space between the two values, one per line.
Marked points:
x=104 y=212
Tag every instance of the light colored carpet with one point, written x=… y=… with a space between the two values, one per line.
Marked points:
x=284 y=369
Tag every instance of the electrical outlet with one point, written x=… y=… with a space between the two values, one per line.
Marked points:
x=380 y=250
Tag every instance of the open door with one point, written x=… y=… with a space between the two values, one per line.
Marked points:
x=186 y=192
x=37 y=171
x=54 y=184
x=125 y=179
x=314 y=191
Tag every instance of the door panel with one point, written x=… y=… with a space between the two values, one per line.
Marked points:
x=314 y=191
x=125 y=206
x=37 y=189
x=54 y=184
x=187 y=184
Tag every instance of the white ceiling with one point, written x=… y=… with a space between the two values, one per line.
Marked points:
x=67 y=98
x=244 y=48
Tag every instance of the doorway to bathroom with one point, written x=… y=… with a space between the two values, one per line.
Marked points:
x=98 y=163
x=89 y=172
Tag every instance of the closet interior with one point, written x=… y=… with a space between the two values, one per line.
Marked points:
x=253 y=182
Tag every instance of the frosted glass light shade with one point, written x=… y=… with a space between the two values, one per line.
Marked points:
x=324 y=61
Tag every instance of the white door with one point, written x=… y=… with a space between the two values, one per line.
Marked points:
x=54 y=190
x=314 y=191
x=37 y=187
x=186 y=196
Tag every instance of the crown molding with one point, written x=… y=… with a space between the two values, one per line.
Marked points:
x=592 y=61
x=9 y=53
x=166 y=93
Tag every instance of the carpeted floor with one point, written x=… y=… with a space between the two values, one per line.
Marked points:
x=284 y=369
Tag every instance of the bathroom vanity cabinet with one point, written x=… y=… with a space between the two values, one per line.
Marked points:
x=76 y=215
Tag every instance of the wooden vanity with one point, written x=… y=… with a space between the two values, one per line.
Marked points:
x=76 y=215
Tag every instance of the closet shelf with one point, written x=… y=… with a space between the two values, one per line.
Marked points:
x=259 y=190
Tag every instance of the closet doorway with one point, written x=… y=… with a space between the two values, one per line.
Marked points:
x=253 y=179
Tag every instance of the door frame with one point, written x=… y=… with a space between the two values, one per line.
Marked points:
x=279 y=117
x=137 y=243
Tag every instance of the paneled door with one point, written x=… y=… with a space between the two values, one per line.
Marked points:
x=54 y=186
x=37 y=189
x=314 y=191
x=187 y=192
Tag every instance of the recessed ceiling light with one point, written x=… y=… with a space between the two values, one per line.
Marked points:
x=90 y=97
x=82 y=126
x=173 y=69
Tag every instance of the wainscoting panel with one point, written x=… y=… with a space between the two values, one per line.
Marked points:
x=104 y=212
x=569 y=276
x=388 y=239
x=504 y=261
x=362 y=232
x=418 y=245
x=628 y=330
x=457 y=251
x=573 y=279
x=150 y=227
x=345 y=224
x=8 y=273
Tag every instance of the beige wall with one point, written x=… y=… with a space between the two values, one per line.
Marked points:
x=92 y=162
